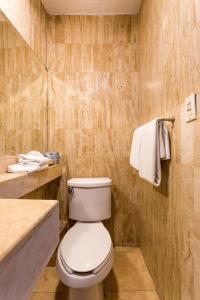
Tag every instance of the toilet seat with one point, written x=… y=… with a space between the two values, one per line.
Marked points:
x=85 y=248
x=83 y=280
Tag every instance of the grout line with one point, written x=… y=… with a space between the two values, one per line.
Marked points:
x=127 y=291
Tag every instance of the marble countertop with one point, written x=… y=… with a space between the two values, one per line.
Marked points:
x=19 y=218
x=18 y=185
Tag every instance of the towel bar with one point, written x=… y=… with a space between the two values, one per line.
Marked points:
x=170 y=119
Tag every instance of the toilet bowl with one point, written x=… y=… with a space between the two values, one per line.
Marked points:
x=85 y=255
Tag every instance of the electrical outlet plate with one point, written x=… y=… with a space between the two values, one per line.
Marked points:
x=191 y=108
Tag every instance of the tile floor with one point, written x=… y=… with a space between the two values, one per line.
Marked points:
x=129 y=280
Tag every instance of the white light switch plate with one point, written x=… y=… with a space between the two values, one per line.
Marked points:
x=191 y=108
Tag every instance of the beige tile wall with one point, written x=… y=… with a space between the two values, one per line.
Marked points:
x=29 y=18
x=23 y=95
x=93 y=112
x=92 y=84
x=169 y=68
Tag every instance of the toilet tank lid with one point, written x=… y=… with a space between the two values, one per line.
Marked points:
x=89 y=182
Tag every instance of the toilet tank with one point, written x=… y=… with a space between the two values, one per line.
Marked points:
x=89 y=199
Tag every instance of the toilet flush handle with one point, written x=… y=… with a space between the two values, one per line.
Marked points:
x=70 y=190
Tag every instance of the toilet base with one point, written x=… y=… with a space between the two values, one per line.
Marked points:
x=92 y=293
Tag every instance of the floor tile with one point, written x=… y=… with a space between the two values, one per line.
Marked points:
x=142 y=295
x=49 y=282
x=129 y=273
x=126 y=249
x=129 y=280
x=48 y=296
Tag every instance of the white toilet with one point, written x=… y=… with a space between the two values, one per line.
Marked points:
x=85 y=255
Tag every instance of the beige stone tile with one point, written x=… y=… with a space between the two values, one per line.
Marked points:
x=195 y=248
x=48 y=296
x=197 y=192
x=130 y=272
x=49 y=282
x=93 y=106
x=123 y=29
x=88 y=29
x=140 y=295
x=125 y=229
x=103 y=55
x=125 y=249
x=196 y=287
x=166 y=214
x=186 y=138
x=104 y=29
x=107 y=296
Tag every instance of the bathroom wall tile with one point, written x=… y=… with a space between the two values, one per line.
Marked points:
x=104 y=29
x=196 y=217
x=124 y=57
x=195 y=248
x=103 y=56
x=186 y=139
x=196 y=287
x=123 y=29
x=196 y=141
x=166 y=33
x=24 y=107
x=29 y=18
x=93 y=101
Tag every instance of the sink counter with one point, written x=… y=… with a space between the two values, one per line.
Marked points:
x=17 y=185
x=29 y=233
x=18 y=221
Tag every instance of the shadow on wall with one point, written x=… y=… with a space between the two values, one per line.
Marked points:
x=164 y=186
x=123 y=225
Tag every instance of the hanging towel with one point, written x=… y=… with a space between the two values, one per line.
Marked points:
x=149 y=147
x=135 y=148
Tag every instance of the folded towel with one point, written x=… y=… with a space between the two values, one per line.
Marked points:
x=150 y=145
x=23 y=168
x=31 y=162
x=33 y=157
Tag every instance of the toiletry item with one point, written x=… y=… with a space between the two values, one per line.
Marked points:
x=54 y=156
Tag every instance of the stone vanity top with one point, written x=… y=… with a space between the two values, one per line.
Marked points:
x=18 y=185
x=19 y=218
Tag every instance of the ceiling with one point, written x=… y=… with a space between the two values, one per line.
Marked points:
x=92 y=7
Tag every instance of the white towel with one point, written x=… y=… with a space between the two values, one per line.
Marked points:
x=23 y=168
x=31 y=162
x=33 y=158
x=150 y=146
x=135 y=148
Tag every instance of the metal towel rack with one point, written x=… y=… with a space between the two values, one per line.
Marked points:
x=170 y=119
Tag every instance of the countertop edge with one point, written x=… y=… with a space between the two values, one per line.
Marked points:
x=29 y=233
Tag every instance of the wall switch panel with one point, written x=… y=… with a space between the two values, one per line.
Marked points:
x=191 y=108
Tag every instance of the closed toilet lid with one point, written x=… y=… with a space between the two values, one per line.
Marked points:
x=85 y=246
